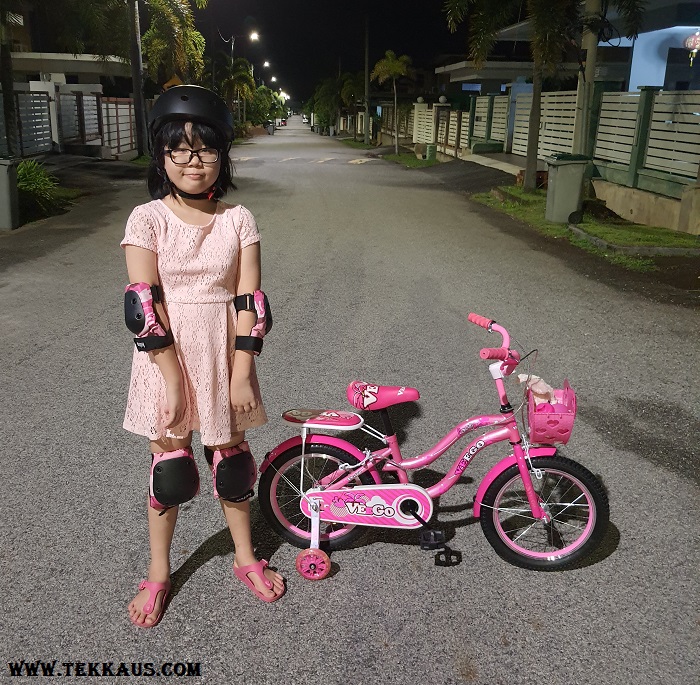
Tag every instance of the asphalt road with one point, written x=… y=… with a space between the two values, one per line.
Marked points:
x=371 y=270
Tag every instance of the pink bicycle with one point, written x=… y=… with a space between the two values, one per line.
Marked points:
x=538 y=510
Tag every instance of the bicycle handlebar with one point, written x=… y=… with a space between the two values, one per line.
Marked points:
x=490 y=325
x=479 y=320
x=494 y=353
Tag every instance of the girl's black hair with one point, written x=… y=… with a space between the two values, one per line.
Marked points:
x=169 y=137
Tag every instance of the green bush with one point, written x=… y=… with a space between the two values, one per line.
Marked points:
x=37 y=189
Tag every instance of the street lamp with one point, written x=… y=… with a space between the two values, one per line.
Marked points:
x=273 y=79
x=253 y=36
x=266 y=65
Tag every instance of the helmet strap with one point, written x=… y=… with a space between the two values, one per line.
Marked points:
x=208 y=195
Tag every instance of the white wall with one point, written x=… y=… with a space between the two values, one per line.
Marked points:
x=651 y=52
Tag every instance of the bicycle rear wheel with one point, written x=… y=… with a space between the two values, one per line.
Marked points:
x=279 y=494
x=578 y=515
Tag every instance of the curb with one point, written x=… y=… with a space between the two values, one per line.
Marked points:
x=634 y=250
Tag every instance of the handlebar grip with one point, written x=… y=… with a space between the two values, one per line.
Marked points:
x=479 y=320
x=494 y=353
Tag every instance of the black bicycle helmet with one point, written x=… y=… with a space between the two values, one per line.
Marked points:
x=191 y=103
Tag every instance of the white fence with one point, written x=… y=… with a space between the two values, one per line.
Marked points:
x=557 y=115
x=674 y=136
x=616 y=127
x=118 y=124
x=425 y=126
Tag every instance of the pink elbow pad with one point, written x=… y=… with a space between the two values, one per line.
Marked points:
x=258 y=303
x=141 y=318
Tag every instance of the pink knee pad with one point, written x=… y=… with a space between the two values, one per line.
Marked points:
x=174 y=478
x=234 y=473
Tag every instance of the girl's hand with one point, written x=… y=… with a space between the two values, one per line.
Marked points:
x=242 y=395
x=175 y=397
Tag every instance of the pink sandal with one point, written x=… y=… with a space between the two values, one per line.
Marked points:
x=258 y=569
x=153 y=590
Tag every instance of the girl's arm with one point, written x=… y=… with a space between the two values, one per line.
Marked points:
x=141 y=265
x=242 y=396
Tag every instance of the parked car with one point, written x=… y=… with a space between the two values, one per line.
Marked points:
x=283 y=122
x=305 y=119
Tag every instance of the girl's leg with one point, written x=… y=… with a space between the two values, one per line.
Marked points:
x=237 y=516
x=160 y=531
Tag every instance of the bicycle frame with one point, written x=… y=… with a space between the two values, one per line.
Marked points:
x=391 y=459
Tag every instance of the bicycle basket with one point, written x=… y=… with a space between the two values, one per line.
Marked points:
x=554 y=423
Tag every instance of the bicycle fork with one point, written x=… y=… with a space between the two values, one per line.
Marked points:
x=532 y=497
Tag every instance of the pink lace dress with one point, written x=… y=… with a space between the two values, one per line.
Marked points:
x=197 y=266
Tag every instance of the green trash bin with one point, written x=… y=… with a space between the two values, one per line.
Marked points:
x=431 y=151
x=9 y=202
x=564 y=186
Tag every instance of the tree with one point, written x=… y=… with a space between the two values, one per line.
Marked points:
x=351 y=92
x=172 y=44
x=172 y=20
x=8 y=18
x=392 y=67
x=327 y=101
x=265 y=105
x=555 y=26
x=236 y=83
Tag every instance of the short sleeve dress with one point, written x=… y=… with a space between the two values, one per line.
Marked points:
x=197 y=266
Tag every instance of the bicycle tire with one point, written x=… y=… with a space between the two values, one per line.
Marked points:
x=279 y=502
x=570 y=493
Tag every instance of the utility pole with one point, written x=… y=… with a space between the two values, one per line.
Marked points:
x=366 y=79
x=137 y=76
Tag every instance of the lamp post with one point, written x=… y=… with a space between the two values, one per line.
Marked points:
x=252 y=36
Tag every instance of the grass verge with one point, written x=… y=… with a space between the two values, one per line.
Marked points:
x=409 y=159
x=143 y=160
x=530 y=208
x=29 y=210
x=357 y=144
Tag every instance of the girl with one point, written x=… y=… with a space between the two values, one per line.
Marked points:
x=188 y=256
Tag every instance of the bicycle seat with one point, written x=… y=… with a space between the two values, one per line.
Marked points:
x=373 y=397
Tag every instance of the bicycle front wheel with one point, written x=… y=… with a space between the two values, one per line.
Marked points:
x=573 y=498
x=280 y=488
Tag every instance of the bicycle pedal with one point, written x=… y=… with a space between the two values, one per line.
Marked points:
x=448 y=557
x=431 y=539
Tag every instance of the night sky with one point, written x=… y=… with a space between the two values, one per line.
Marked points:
x=306 y=41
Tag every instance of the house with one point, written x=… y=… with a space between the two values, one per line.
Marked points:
x=657 y=57
x=57 y=94
x=640 y=126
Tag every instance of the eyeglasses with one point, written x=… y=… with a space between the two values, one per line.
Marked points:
x=183 y=156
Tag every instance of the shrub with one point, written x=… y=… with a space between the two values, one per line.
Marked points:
x=37 y=189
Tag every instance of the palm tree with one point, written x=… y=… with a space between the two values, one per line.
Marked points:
x=351 y=92
x=236 y=83
x=392 y=67
x=172 y=27
x=171 y=42
x=554 y=25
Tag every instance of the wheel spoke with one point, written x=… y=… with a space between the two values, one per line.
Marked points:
x=565 y=499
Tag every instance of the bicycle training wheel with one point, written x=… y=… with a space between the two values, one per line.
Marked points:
x=578 y=515
x=280 y=498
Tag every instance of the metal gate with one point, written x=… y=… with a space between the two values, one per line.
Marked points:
x=33 y=124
